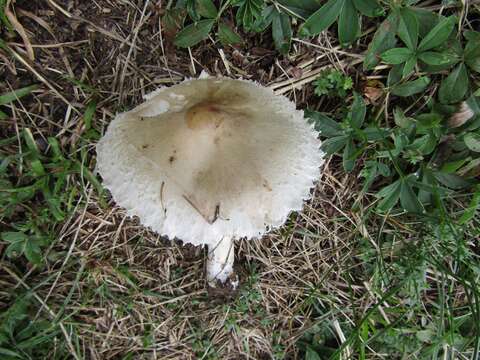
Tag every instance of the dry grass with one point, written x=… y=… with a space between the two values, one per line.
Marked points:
x=119 y=289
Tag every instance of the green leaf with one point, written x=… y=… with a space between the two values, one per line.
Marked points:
x=454 y=87
x=408 y=28
x=408 y=198
x=14 y=236
x=434 y=58
x=349 y=155
x=206 y=8
x=383 y=39
x=439 y=34
x=348 y=23
x=472 y=54
x=322 y=18
x=426 y=20
x=368 y=7
x=472 y=141
x=311 y=354
x=33 y=253
x=89 y=113
x=281 y=32
x=30 y=141
x=249 y=12
x=16 y=94
x=358 y=111
x=396 y=55
x=375 y=134
x=410 y=88
x=470 y=211
x=326 y=126
x=194 y=33
x=8 y=352
x=301 y=8
x=334 y=144
x=390 y=195
x=424 y=144
x=395 y=74
x=264 y=21
x=452 y=181
x=409 y=66
x=227 y=36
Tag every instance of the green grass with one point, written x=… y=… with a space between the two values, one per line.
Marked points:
x=382 y=264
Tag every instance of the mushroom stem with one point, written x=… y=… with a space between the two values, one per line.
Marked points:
x=220 y=263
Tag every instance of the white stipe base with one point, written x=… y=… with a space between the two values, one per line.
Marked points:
x=220 y=264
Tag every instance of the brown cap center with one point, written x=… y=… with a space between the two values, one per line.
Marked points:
x=204 y=115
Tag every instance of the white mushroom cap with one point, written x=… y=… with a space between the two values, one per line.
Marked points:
x=211 y=159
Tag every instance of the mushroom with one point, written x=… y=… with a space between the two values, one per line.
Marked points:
x=211 y=160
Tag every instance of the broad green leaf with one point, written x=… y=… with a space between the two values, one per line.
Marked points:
x=368 y=7
x=472 y=54
x=390 y=195
x=426 y=20
x=383 y=39
x=408 y=198
x=281 y=32
x=266 y=18
x=452 y=181
x=401 y=120
x=349 y=155
x=16 y=94
x=454 y=87
x=334 y=144
x=3 y=116
x=89 y=113
x=434 y=58
x=348 y=23
x=311 y=354
x=358 y=111
x=410 y=88
x=227 y=36
x=194 y=33
x=191 y=6
x=396 y=55
x=322 y=18
x=453 y=166
x=424 y=144
x=300 y=8
x=409 y=66
x=326 y=126
x=14 y=236
x=206 y=8
x=472 y=141
x=249 y=12
x=15 y=249
x=374 y=133
x=472 y=35
x=438 y=35
x=33 y=253
x=395 y=74
x=408 y=28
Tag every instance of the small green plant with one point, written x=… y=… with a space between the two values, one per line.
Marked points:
x=22 y=336
x=42 y=195
x=333 y=83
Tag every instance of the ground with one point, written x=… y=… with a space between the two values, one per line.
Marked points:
x=114 y=290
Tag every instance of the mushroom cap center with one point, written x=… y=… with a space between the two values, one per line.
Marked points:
x=204 y=115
